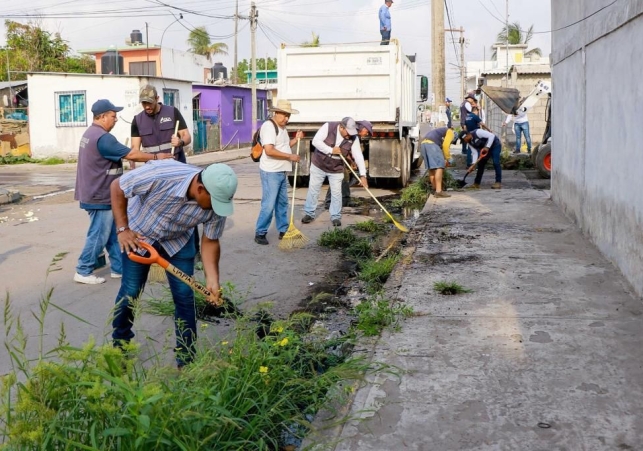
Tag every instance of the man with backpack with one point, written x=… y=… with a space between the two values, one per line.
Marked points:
x=275 y=163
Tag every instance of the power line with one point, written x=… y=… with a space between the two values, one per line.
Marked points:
x=451 y=28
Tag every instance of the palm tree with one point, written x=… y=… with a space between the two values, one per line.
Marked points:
x=313 y=43
x=200 y=44
x=516 y=36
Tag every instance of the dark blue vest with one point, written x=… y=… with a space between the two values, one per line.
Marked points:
x=157 y=130
x=478 y=143
x=94 y=174
x=437 y=135
x=333 y=164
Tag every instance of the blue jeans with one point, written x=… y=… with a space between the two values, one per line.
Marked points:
x=274 y=199
x=101 y=235
x=494 y=153
x=317 y=177
x=132 y=285
x=386 y=37
x=524 y=128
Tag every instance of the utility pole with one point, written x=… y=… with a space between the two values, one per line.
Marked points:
x=507 y=27
x=437 y=44
x=253 y=57
x=236 y=31
x=147 y=45
x=463 y=70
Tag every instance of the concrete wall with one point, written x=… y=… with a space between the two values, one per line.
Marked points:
x=47 y=139
x=597 y=163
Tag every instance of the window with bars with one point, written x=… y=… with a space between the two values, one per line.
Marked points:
x=171 y=97
x=261 y=109
x=238 y=109
x=71 y=109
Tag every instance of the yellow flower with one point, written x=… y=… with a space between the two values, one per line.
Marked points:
x=278 y=329
x=223 y=343
x=283 y=342
x=263 y=369
x=204 y=326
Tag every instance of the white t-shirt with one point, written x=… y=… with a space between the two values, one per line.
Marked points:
x=281 y=143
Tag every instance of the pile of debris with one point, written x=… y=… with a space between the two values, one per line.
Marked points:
x=14 y=137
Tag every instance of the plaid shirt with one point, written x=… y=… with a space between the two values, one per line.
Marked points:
x=158 y=206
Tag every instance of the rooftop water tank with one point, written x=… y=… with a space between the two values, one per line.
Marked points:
x=219 y=71
x=112 y=63
x=136 y=37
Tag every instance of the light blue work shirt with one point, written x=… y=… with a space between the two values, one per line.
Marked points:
x=385 y=17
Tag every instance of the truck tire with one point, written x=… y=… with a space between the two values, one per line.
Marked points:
x=543 y=161
x=302 y=180
x=534 y=154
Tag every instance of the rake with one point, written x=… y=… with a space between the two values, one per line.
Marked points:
x=402 y=227
x=293 y=238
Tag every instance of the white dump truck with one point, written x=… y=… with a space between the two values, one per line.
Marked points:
x=366 y=82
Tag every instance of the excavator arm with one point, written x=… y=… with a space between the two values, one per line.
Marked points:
x=509 y=100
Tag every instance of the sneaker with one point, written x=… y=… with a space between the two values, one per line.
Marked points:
x=474 y=186
x=281 y=235
x=261 y=239
x=337 y=223
x=89 y=280
x=442 y=194
x=496 y=185
x=307 y=219
x=116 y=275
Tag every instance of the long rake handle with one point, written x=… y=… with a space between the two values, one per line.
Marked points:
x=368 y=190
x=294 y=187
x=169 y=267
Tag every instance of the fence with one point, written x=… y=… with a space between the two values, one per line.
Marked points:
x=207 y=131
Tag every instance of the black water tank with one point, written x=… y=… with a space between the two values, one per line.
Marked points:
x=111 y=63
x=136 y=37
x=219 y=71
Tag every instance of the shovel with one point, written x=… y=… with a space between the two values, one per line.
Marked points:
x=462 y=183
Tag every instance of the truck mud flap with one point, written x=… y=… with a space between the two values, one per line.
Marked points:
x=384 y=158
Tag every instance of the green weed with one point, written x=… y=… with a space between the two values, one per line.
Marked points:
x=51 y=161
x=375 y=273
x=377 y=312
x=360 y=249
x=19 y=159
x=449 y=181
x=337 y=238
x=414 y=195
x=450 y=288
x=370 y=226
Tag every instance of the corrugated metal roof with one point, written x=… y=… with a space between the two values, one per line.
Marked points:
x=12 y=84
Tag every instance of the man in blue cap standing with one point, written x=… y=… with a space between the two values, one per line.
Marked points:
x=99 y=163
x=448 y=111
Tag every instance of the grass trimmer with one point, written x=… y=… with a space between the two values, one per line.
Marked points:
x=293 y=238
x=402 y=227
x=462 y=183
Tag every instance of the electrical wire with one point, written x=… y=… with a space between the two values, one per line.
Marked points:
x=451 y=28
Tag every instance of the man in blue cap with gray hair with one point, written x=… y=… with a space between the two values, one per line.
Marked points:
x=99 y=163
x=161 y=203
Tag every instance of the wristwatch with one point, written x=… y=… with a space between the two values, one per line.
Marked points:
x=121 y=229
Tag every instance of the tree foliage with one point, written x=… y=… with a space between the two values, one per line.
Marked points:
x=200 y=44
x=516 y=36
x=244 y=66
x=30 y=48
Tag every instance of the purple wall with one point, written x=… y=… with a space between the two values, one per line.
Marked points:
x=221 y=99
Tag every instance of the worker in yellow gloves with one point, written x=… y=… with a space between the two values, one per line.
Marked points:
x=435 y=150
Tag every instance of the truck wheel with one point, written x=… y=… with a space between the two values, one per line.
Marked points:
x=302 y=180
x=534 y=154
x=417 y=164
x=543 y=161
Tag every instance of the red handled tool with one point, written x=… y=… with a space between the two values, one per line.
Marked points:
x=154 y=257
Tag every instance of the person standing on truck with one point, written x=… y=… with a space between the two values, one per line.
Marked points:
x=385 y=21
x=331 y=140
x=275 y=163
x=364 y=130
x=480 y=140
x=435 y=150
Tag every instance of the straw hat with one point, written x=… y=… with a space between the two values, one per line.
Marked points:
x=283 y=106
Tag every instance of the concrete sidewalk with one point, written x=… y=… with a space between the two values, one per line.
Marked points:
x=546 y=353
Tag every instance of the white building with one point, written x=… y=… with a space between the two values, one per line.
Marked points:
x=60 y=106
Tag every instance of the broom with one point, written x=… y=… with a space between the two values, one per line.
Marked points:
x=157 y=273
x=293 y=238
x=402 y=227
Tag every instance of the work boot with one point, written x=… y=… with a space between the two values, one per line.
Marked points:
x=496 y=185
x=307 y=219
x=441 y=194
x=474 y=186
x=261 y=239
x=281 y=235
x=337 y=223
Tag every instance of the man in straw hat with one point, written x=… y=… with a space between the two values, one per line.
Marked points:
x=331 y=140
x=276 y=161
x=162 y=202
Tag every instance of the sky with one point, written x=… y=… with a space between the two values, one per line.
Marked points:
x=92 y=23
